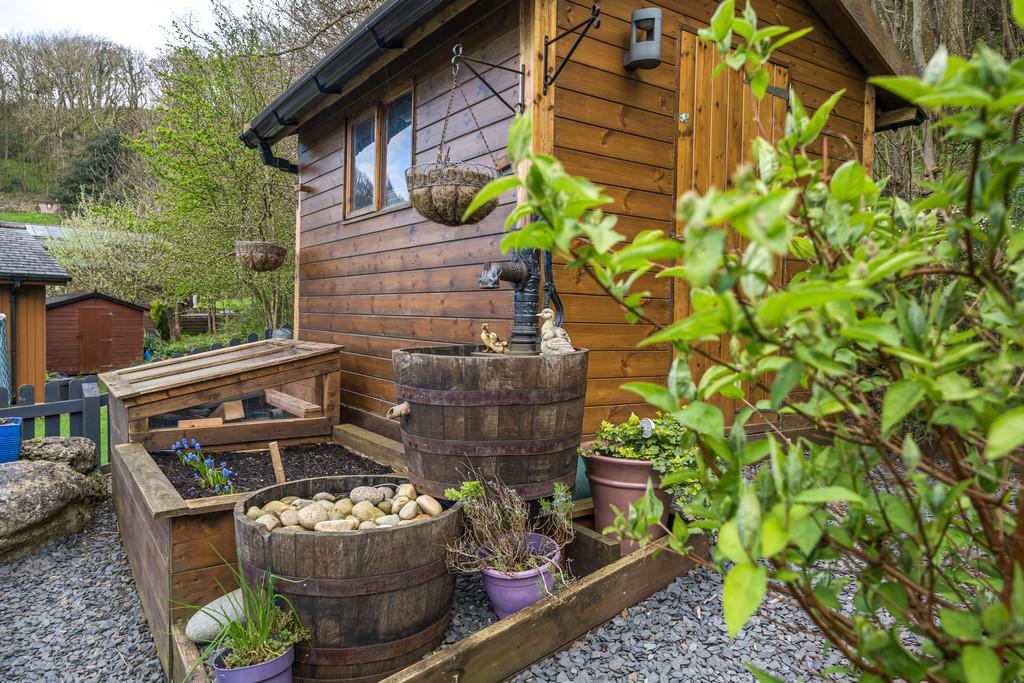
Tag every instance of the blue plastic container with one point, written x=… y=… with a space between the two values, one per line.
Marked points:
x=10 y=439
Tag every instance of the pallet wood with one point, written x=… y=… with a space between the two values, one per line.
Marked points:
x=186 y=657
x=237 y=432
x=229 y=411
x=290 y=404
x=200 y=422
x=371 y=445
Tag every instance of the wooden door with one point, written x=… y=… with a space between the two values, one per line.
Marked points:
x=95 y=341
x=718 y=120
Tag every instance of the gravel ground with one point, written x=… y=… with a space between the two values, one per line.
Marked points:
x=70 y=613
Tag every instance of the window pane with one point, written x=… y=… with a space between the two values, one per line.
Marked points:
x=398 y=116
x=364 y=152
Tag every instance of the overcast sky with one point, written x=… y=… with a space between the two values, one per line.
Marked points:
x=138 y=23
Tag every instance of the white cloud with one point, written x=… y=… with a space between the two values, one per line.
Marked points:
x=142 y=24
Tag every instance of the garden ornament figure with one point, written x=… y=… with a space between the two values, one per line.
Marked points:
x=553 y=339
x=491 y=340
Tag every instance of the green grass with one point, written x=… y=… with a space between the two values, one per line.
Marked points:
x=65 y=430
x=30 y=217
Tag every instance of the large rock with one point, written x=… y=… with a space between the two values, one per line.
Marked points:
x=204 y=625
x=41 y=501
x=77 y=452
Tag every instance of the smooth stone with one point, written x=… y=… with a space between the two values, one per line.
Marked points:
x=361 y=493
x=323 y=495
x=398 y=502
x=407 y=490
x=376 y=513
x=353 y=518
x=387 y=492
x=300 y=503
x=325 y=504
x=388 y=520
x=205 y=624
x=254 y=513
x=384 y=506
x=363 y=510
x=422 y=516
x=269 y=521
x=409 y=510
x=289 y=517
x=344 y=506
x=334 y=514
x=405 y=521
x=292 y=527
x=310 y=515
x=287 y=500
x=335 y=525
x=275 y=507
x=429 y=505
x=367 y=525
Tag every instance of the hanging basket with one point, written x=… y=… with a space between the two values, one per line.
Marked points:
x=260 y=256
x=441 y=192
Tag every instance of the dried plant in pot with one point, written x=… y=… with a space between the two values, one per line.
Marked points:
x=260 y=256
x=517 y=551
x=442 y=191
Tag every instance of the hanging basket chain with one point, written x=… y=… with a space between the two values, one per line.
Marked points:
x=441 y=156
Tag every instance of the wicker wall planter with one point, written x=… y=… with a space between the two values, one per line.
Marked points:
x=260 y=256
x=441 y=192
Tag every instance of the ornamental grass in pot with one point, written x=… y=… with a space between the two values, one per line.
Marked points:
x=624 y=459
x=258 y=646
x=516 y=549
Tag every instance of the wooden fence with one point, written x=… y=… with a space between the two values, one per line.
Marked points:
x=80 y=399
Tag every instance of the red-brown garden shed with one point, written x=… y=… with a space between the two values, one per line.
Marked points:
x=91 y=332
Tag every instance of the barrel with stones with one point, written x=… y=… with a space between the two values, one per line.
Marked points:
x=513 y=418
x=375 y=600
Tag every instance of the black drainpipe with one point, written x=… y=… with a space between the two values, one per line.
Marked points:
x=267 y=155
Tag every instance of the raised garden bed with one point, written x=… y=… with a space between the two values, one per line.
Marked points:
x=175 y=544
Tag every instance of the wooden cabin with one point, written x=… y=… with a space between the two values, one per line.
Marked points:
x=26 y=268
x=92 y=332
x=374 y=276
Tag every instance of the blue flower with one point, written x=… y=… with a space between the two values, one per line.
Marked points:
x=208 y=462
x=196 y=475
x=217 y=488
x=195 y=444
x=226 y=471
x=223 y=464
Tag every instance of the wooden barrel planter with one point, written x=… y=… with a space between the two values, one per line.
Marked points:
x=375 y=600
x=515 y=418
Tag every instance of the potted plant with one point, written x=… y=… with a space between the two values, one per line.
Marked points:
x=10 y=438
x=517 y=553
x=258 y=646
x=624 y=457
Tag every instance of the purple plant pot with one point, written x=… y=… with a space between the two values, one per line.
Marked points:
x=277 y=670
x=510 y=593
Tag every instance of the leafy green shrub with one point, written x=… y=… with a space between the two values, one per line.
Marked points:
x=905 y=309
x=660 y=440
x=160 y=313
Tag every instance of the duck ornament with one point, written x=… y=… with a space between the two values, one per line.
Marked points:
x=491 y=340
x=554 y=341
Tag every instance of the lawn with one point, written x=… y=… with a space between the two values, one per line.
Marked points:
x=65 y=430
x=30 y=217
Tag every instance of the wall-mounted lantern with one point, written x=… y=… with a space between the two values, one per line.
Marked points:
x=644 y=40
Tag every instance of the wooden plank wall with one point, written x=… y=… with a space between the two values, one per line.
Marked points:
x=620 y=130
x=391 y=279
x=30 y=335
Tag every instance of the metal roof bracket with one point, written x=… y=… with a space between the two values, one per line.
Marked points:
x=593 y=21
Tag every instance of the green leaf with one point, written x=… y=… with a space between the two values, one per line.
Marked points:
x=817 y=122
x=900 y=399
x=981 y=665
x=827 y=494
x=787 y=378
x=742 y=594
x=722 y=19
x=729 y=542
x=702 y=418
x=773 y=537
x=786 y=40
x=520 y=137
x=1018 y=12
x=1005 y=433
x=489 y=192
x=960 y=624
x=759 y=83
x=873 y=330
x=655 y=394
x=849 y=182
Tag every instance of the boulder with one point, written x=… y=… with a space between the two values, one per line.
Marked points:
x=40 y=501
x=203 y=626
x=77 y=452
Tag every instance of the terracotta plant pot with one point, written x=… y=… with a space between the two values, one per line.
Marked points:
x=277 y=670
x=621 y=482
x=510 y=593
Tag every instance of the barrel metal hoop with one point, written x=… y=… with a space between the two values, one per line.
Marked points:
x=351 y=587
x=474 y=449
x=531 y=491
x=364 y=654
x=490 y=397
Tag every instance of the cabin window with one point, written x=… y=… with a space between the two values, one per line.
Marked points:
x=380 y=150
x=398 y=149
x=363 y=179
